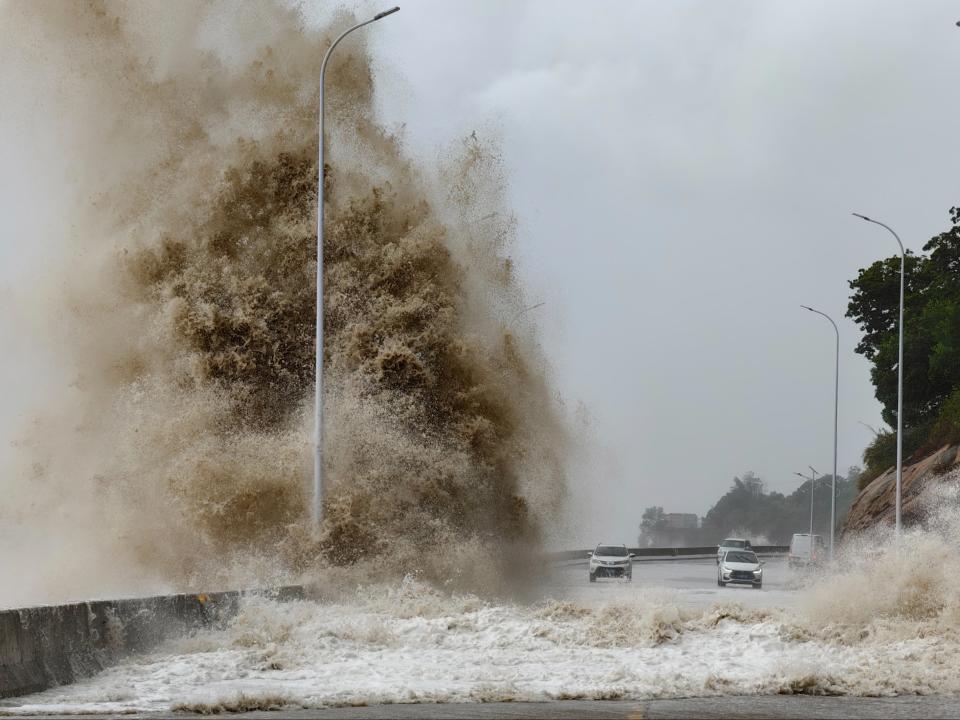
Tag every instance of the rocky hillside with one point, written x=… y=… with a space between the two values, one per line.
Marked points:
x=876 y=502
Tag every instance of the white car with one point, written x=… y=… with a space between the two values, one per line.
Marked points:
x=740 y=566
x=611 y=561
x=732 y=544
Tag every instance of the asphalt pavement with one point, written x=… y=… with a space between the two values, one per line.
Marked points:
x=692 y=583
x=777 y=706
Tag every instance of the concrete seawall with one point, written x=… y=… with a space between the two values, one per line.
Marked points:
x=42 y=647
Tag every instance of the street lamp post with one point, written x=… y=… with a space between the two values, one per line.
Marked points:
x=812 y=479
x=318 y=402
x=903 y=265
x=836 y=401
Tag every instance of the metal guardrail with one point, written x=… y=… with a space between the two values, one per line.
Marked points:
x=678 y=553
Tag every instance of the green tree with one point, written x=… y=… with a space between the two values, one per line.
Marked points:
x=874 y=305
x=931 y=342
x=775 y=516
x=652 y=520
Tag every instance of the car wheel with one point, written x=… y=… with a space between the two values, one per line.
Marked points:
x=721 y=583
x=593 y=578
x=629 y=578
x=758 y=585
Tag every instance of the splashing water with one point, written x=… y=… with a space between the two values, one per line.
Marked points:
x=181 y=451
x=880 y=623
x=860 y=630
x=407 y=642
x=178 y=453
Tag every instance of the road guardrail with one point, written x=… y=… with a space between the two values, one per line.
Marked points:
x=668 y=553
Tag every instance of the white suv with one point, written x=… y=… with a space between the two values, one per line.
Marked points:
x=611 y=561
x=740 y=566
x=732 y=544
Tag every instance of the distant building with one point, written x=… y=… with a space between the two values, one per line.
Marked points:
x=681 y=521
x=753 y=484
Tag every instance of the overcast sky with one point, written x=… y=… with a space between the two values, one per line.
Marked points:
x=683 y=175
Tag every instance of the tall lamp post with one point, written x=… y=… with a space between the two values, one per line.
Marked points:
x=836 y=401
x=812 y=479
x=903 y=265
x=318 y=402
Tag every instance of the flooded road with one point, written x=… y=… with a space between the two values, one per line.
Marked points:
x=671 y=634
x=694 y=583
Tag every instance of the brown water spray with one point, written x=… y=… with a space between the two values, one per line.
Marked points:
x=181 y=454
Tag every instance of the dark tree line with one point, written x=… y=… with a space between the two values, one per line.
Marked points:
x=748 y=509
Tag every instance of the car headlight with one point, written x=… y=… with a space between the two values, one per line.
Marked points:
x=758 y=571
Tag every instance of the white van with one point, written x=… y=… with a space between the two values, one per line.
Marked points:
x=806 y=549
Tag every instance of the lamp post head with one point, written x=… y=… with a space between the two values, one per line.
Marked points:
x=391 y=11
x=807 y=307
x=862 y=217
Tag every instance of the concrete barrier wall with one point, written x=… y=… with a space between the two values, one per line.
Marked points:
x=46 y=646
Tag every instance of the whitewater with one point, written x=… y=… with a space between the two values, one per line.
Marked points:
x=883 y=620
x=879 y=624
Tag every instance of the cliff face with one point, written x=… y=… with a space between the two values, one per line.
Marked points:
x=876 y=502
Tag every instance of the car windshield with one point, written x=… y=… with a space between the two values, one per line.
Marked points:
x=735 y=543
x=611 y=550
x=740 y=557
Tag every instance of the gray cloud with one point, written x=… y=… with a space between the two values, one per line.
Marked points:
x=683 y=175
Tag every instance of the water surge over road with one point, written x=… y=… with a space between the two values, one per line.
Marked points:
x=178 y=453
x=877 y=625
x=884 y=621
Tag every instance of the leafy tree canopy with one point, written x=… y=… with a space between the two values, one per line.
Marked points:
x=931 y=325
x=931 y=363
